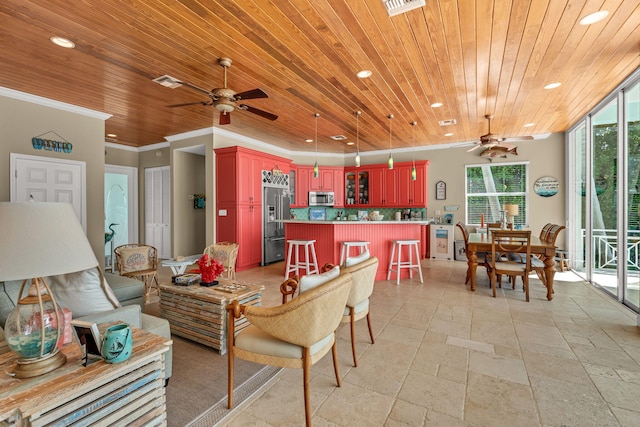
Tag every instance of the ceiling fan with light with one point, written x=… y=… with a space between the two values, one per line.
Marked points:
x=491 y=140
x=227 y=100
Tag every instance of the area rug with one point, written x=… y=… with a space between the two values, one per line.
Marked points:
x=197 y=391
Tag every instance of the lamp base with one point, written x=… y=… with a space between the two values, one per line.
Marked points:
x=29 y=369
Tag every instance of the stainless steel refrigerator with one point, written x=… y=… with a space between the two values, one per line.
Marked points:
x=276 y=208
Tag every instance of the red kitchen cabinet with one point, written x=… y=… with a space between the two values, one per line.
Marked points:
x=329 y=179
x=412 y=193
x=383 y=187
x=239 y=199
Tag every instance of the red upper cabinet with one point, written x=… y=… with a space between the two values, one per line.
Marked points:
x=329 y=179
x=413 y=193
x=383 y=185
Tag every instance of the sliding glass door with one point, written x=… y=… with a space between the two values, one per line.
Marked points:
x=603 y=169
x=632 y=131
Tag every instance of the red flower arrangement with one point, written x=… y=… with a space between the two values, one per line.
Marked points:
x=209 y=268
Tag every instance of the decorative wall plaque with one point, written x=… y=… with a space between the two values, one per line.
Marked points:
x=546 y=186
x=441 y=190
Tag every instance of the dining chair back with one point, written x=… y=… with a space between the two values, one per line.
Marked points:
x=510 y=256
x=480 y=257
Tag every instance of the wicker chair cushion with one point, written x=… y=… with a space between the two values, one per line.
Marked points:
x=310 y=281
x=350 y=261
x=359 y=308
x=255 y=340
x=135 y=259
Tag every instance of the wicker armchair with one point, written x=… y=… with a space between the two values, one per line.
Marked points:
x=140 y=262
x=226 y=254
x=296 y=334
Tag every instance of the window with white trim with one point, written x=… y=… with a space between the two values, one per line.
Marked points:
x=489 y=187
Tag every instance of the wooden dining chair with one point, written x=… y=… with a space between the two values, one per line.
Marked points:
x=550 y=237
x=140 y=262
x=506 y=247
x=481 y=257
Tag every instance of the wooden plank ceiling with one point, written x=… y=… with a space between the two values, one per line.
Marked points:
x=474 y=57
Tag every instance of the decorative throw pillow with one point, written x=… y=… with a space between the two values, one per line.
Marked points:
x=357 y=259
x=84 y=292
x=310 y=281
x=135 y=259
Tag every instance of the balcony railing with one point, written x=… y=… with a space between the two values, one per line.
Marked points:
x=606 y=247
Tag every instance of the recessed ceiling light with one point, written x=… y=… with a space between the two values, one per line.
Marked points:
x=364 y=74
x=436 y=104
x=308 y=140
x=594 y=17
x=112 y=135
x=350 y=143
x=448 y=134
x=552 y=85
x=528 y=125
x=62 y=42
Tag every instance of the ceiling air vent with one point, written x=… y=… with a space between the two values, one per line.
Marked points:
x=447 y=122
x=396 y=7
x=168 y=81
x=338 y=137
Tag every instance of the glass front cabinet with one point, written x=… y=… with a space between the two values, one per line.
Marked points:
x=356 y=187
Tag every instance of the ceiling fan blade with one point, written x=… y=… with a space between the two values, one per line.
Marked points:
x=194 y=87
x=190 y=103
x=261 y=113
x=225 y=118
x=475 y=147
x=251 y=94
x=518 y=138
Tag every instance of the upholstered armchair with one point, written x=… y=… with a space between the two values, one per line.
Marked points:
x=295 y=334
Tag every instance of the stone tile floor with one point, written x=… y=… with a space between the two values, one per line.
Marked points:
x=445 y=356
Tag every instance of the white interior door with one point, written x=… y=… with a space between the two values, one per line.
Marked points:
x=45 y=179
x=157 y=210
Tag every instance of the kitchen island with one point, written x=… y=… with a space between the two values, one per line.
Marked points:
x=379 y=234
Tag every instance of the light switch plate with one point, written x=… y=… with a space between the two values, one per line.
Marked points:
x=222 y=212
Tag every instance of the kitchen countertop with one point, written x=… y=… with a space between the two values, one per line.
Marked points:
x=308 y=221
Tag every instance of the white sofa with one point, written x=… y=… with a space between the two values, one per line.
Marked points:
x=90 y=297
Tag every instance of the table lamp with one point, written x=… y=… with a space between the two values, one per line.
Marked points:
x=39 y=240
x=512 y=211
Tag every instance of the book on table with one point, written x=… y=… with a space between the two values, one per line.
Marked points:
x=186 y=279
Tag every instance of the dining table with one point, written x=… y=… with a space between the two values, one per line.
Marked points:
x=481 y=242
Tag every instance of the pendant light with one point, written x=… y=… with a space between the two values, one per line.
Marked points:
x=357 y=113
x=315 y=167
x=413 y=143
x=390 y=161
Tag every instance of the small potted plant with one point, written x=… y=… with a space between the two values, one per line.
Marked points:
x=209 y=270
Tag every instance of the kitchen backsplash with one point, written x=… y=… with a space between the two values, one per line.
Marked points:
x=332 y=213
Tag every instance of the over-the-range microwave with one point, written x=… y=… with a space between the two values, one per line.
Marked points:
x=321 y=198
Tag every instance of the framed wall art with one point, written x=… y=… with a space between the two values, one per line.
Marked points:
x=441 y=190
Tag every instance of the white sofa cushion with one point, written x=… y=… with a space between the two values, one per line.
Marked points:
x=84 y=292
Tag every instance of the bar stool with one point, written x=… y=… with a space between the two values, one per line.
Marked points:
x=346 y=246
x=305 y=264
x=412 y=246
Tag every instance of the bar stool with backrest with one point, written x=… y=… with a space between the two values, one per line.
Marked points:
x=294 y=264
x=412 y=249
x=346 y=247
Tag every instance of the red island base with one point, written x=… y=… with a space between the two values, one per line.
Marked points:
x=379 y=234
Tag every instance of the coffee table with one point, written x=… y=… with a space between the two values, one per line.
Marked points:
x=199 y=313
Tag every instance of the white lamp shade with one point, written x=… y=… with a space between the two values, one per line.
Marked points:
x=39 y=239
x=512 y=210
